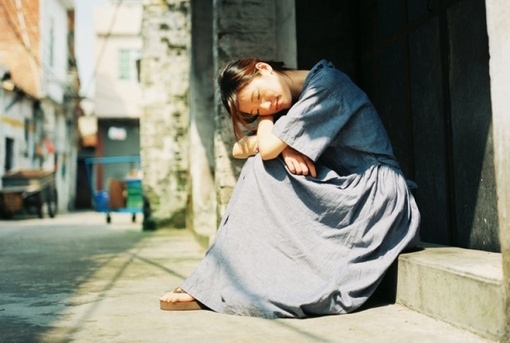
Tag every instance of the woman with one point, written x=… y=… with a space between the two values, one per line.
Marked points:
x=312 y=232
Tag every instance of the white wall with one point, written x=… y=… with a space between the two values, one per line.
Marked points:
x=498 y=28
x=53 y=74
x=12 y=125
x=115 y=97
x=54 y=82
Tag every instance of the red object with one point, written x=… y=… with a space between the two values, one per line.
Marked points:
x=49 y=146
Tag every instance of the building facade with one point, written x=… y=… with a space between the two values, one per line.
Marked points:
x=40 y=102
x=165 y=78
x=117 y=98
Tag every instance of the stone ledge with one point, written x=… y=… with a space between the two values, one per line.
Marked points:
x=462 y=287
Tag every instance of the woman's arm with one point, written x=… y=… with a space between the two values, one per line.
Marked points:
x=245 y=147
x=270 y=146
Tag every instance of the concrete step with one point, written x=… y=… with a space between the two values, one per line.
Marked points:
x=462 y=287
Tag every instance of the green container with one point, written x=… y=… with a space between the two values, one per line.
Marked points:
x=134 y=193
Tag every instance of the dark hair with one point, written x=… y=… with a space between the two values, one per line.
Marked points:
x=232 y=78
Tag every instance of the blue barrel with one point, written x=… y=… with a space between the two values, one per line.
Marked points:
x=102 y=199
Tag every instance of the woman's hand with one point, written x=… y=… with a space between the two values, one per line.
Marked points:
x=298 y=163
x=245 y=147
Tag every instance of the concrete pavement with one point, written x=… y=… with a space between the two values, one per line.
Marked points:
x=75 y=278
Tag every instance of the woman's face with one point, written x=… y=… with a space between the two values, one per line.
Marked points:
x=266 y=94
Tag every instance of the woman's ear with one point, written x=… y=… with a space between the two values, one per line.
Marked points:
x=263 y=67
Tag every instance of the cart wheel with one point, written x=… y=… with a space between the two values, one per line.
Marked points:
x=133 y=218
x=40 y=205
x=108 y=218
x=52 y=204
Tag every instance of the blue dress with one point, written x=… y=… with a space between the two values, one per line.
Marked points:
x=301 y=246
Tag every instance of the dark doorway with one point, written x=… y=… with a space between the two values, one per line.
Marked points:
x=424 y=64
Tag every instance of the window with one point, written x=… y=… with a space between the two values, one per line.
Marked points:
x=27 y=135
x=9 y=154
x=127 y=64
x=26 y=129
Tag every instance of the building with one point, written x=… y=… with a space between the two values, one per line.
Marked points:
x=117 y=99
x=40 y=102
x=438 y=73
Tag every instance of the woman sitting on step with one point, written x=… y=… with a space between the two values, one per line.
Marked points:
x=321 y=208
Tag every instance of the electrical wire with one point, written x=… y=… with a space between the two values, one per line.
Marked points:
x=91 y=80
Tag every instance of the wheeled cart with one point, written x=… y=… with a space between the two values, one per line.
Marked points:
x=122 y=194
x=27 y=189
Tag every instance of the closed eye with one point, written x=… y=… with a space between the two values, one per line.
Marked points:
x=258 y=98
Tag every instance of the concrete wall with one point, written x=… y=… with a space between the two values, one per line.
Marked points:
x=54 y=49
x=498 y=27
x=202 y=210
x=241 y=30
x=165 y=70
x=17 y=123
x=57 y=81
x=286 y=44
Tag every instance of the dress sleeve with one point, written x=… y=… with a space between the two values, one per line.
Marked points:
x=313 y=122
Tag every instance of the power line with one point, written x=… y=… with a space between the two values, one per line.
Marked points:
x=103 y=48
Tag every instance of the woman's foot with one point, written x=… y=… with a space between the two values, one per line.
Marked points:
x=178 y=300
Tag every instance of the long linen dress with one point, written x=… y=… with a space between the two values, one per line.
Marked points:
x=301 y=246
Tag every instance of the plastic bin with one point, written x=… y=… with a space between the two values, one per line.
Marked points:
x=102 y=199
x=134 y=193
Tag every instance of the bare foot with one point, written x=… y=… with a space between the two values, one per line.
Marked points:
x=178 y=295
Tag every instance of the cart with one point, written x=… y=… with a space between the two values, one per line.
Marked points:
x=28 y=189
x=122 y=195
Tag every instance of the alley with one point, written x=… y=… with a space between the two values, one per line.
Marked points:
x=75 y=278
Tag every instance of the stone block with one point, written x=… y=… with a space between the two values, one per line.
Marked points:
x=459 y=286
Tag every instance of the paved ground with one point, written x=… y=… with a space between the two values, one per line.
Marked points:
x=76 y=279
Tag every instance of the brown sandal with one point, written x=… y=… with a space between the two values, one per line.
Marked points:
x=180 y=305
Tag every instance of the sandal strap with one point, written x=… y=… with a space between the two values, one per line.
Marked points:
x=178 y=290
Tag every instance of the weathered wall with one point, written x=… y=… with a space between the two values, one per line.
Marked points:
x=202 y=210
x=244 y=29
x=286 y=44
x=498 y=27
x=165 y=69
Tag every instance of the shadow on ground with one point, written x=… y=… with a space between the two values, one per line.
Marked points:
x=44 y=262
